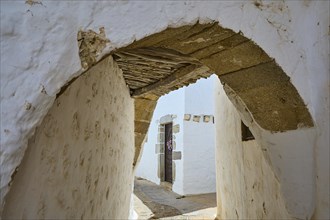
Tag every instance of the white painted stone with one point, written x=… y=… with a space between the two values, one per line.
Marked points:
x=199 y=158
x=199 y=138
x=74 y=165
x=39 y=54
x=246 y=185
x=176 y=155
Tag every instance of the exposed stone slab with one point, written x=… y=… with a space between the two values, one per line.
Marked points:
x=158 y=37
x=166 y=119
x=225 y=44
x=159 y=148
x=144 y=106
x=270 y=97
x=141 y=126
x=265 y=74
x=242 y=56
x=189 y=33
x=205 y=38
x=144 y=109
x=176 y=155
x=176 y=128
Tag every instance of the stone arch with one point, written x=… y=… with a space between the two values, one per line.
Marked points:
x=257 y=86
x=175 y=57
x=19 y=127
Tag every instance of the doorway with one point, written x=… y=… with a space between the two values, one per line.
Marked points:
x=168 y=152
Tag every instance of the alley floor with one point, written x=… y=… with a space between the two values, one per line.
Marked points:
x=152 y=201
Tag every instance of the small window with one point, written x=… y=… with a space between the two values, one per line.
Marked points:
x=246 y=133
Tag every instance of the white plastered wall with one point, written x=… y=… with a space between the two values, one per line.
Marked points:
x=78 y=165
x=199 y=138
x=39 y=54
x=246 y=185
x=199 y=157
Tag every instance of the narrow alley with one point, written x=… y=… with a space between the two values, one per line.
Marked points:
x=165 y=109
x=152 y=201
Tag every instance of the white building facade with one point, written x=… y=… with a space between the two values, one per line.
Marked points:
x=189 y=111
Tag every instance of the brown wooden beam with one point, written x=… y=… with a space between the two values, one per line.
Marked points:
x=179 y=76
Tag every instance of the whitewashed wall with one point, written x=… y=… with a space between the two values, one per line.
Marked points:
x=199 y=97
x=199 y=157
x=39 y=52
x=199 y=138
x=247 y=187
x=73 y=168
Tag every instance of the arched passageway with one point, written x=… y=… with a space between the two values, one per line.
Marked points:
x=176 y=57
x=151 y=67
x=39 y=54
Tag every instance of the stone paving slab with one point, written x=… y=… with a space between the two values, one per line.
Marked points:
x=203 y=214
x=156 y=202
x=141 y=209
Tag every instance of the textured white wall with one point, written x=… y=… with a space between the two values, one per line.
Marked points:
x=199 y=157
x=79 y=162
x=199 y=138
x=39 y=54
x=199 y=97
x=246 y=185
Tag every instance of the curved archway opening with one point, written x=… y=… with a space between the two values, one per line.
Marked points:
x=163 y=62
x=177 y=57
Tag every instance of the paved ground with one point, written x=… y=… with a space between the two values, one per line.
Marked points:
x=156 y=202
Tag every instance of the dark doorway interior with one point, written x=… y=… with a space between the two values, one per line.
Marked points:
x=246 y=133
x=168 y=153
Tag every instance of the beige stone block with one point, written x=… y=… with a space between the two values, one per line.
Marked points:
x=141 y=126
x=242 y=56
x=159 y=148
x=161 y=163
x=187 y=117
x=139 y=138
x=176 y=155
x=166 y=119
x=176 y=128
x=143 y=115
x=160 y=138
x=145 y=104
x=206 y=118
x=173 y=171
x=161 y=128
x=196 y=118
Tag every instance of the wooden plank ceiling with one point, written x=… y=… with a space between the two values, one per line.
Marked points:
x=156 y=71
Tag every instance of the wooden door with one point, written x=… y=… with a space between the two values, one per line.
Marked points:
x=168 y=153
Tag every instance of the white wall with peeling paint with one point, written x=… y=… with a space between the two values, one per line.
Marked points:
x=39 y=54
